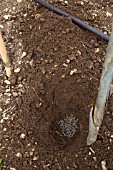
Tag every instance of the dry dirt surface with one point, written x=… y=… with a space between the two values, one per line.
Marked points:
x=45 y=105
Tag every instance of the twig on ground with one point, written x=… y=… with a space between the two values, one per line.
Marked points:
x=4 y=56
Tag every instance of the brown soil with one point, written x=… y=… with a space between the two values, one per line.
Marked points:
x=48 y=91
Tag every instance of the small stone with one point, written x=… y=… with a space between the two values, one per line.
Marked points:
x=6 y=17
x=108 y=112
x=82 y=3
x=7 y=90
x=111 y=136
x=78 y=53
x=29 y=56
x=7 y=94
x=92 y=42
x=19 y=155
x=1 y=26
x=67 y=61
x=22 y=136
x=89 y=153
x=97 y=50
x=7 y=82
x=31 y=153
x=65 y=65
x=73 y=71
x=23 y=54
x=63 y=76
x=66 y=2
x=4 y=129
x=34 y=158
x=12 y=168
x=43 y=70
x=51 y=61
x=6 y=118
x=42 y=19
x=96 y=45
x=38 y=104
x=95 y=159
x=72 y=57
x=56 y=65
x=31 y=63
x=17 y=70
x=103 y=163
x=108 y=14
x=110 y=140
x=63 y=32
x=67 y=30
x=15 y=94
x=13 y=80
x=46 y=61
x=28 y=144
x=2 y=120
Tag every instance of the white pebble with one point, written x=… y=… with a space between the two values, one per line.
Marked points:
x=66 y=2
x=67 y=60
x=17 y=70
x=103 y=163
x=89 y=153
x=78 y=52
x=31 y=153
x=12 y=168
x=65 y=65
x=23 y=54
x=1 y=26
x=6 y=118
x=22 y=136
x=108 y=14
x=94 y=158
x=19 y=155
x=35 y=158
x=14 y=8
x=6 y=17
x=15 y=94
x=7 y=90
x=63 y=76
x=97 y=50
x=7 y=94
x=73 y=71
x=2 y=120
x=7 y=82
x=111 y=136
x=4 y=129
x=82 y=3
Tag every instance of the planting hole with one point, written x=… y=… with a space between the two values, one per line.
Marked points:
x=65 y=130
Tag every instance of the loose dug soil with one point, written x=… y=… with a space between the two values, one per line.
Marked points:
x=59 y=78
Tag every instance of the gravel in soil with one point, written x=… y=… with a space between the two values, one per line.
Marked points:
x=44 y=107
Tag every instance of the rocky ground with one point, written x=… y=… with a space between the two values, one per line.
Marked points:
x=44 y=106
